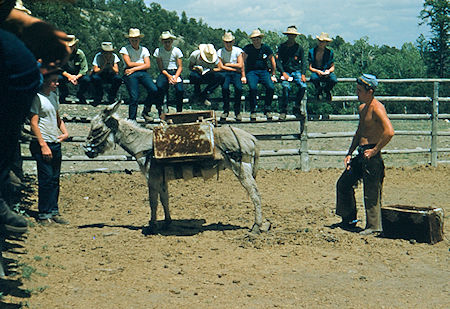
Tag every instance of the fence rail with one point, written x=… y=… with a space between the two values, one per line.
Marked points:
x=303 y=136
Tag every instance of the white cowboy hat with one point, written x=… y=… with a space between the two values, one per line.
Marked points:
x=107 y=46
x=228 y=37
x=291 y=30
x=324 y=37
x=256 y=33
x=73 y=40
x=134 y=33
x=167 y=35
x=208 y=53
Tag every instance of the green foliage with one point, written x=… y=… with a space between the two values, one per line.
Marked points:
x=94 y=21
x=436 y=14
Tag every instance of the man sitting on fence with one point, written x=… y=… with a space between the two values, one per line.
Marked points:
x=231 y=64
x=203 y=65
x=374 y=132
x=74 y=72
x=105 y=70
x=170 y=63
x=321 y=65
x=292 y=66
x=256 y=56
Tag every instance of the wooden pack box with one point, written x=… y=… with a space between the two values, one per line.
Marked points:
x=184 y=142
x=424 y=224
x=189 y=117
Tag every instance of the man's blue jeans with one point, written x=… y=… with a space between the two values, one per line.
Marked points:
x=132 y=82
x=263 y=77
x=162 y=83
x=235 y=79
x=48 y=179
x=297 y=79
x=212 y=80
x=330 y=81
x=99 y=79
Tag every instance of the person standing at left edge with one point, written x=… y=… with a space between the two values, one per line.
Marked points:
x=45 y=124
x=374 y=132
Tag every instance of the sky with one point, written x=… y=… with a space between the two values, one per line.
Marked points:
x=384 y=22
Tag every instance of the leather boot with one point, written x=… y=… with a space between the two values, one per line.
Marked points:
x=12 y=221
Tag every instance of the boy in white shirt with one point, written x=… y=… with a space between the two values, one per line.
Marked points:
x=137 y=62
x=231 y=63
x=170 y=63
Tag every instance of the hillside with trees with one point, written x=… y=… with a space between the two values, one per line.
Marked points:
x=94 y=21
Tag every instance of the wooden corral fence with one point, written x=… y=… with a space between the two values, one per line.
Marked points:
x=304 y=136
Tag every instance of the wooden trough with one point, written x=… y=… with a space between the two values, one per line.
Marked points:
x=424 y=224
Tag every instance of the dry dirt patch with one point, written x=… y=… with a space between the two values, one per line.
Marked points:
x=207 y=258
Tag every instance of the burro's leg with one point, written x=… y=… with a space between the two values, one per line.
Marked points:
x=154 y=183
x=164 y=197
x=243 y=172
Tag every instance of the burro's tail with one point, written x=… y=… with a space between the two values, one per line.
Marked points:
x=255 y=159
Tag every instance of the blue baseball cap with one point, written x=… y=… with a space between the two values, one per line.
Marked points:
x=368 y=80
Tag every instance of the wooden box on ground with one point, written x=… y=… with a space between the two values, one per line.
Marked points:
x=189 y=117
x=184 y=142
x=424 y=224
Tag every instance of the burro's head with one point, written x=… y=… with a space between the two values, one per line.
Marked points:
x=101 y=133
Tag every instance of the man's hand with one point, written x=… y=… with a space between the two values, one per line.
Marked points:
x=63 y=137
x=244 y=79
x=347 y=160
x=46 y=152
x=369 y=153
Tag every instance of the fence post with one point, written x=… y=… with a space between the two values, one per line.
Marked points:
x=434 y=121
x=304 y=157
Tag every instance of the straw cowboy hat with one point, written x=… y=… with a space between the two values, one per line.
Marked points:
x=291 y=30
x=228 y=37
x=165 y=35
x=324 y=37
x=107 y=46
x=256 y=33
x=134 y=33
x=73 y=40
x=208 y=53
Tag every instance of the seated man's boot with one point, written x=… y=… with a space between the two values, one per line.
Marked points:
x=13 y=222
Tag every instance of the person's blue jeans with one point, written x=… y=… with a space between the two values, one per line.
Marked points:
x=105 y=77
x=233 y=78
x=48 y=173
x=132 y=82
x=212 y=80
x=162 y=83
x=330 y=81
x=263 y=77
x=83 y=84
x=20 y=80
x=286 y=87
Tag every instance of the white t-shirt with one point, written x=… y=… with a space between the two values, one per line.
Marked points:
x=100 y=61
x=135 y=55
x=168 y=58
x=197 y=60
x=229 y=56
x=46 y=107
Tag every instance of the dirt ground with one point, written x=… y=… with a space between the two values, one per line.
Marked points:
x=207 y=259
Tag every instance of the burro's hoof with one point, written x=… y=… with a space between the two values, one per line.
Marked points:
x=264 y=227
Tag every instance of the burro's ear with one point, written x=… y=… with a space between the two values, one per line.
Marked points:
x=111 y=109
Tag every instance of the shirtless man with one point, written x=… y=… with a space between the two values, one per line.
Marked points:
x=374 y=132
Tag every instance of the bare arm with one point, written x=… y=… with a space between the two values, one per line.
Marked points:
x=34 y=125
x=134 y=66
x=62 y=128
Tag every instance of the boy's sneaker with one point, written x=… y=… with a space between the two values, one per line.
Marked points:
x=253 y=117
x=60 y=220
x=239 y=117
x=282 y=116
